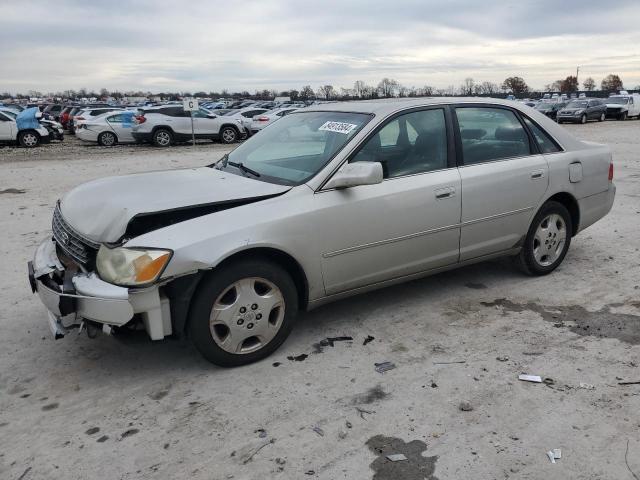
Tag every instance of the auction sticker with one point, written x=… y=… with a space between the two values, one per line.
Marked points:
x=338 y=127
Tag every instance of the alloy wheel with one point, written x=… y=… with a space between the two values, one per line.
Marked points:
x=247 y=315
x=549 y=239
x=163 y=138
x=228 y=135
x=30 y=140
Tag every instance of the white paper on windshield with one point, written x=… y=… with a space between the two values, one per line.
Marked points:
x=338 y=127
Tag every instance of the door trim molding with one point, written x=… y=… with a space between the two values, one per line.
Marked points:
x=363 y=246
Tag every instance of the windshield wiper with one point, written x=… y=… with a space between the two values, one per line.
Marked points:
x=243 y=168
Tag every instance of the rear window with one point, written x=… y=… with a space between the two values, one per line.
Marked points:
x=489 y=134
x=544 y=141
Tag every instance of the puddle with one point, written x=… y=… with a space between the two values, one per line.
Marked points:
x=603 y=323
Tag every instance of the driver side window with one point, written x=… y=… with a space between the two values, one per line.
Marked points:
x=412 y=143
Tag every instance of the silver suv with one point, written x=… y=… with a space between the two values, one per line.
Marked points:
x=327 y=202
x=165 y=125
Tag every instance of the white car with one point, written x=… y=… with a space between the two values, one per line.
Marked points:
x=107 y=129
x=168 y=124
x=258 y=122
x=28 y=138
x=89 y=113
x=245 y=116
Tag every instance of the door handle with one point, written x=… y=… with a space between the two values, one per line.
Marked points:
x=537 y=174
x=446 y=192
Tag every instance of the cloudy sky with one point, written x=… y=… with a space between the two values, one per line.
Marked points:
x=161 y=45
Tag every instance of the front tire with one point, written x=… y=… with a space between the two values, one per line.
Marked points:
x=162 y=138
x=228 y=135
x=623 y=117
x=28 y=139
x=243 y=312
x=602 y=117
x=547 y=240
x=107 y=139
x=583 y=119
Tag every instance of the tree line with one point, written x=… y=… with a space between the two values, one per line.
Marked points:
x=386 y=88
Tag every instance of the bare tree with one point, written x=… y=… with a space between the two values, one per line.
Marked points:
x=358 y=88
x=515 y=85
x=307 y=93
x=387 y=87
x=467 y=87
x=489 y=88
x=611 y=83
x=589 y=84
x=403 y=91
x=326 y=91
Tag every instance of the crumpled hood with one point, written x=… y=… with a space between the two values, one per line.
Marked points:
x=101 y=209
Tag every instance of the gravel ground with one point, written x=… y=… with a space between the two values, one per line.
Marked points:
x=131 y=409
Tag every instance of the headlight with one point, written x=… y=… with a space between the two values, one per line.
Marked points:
x=578 y=112
x=131 y=266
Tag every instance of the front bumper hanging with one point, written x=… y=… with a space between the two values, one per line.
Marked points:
x=71 y=297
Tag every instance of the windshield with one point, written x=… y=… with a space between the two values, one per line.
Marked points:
x=618 y=100
x=545 y=106
x=295 y=148
x=577 y=104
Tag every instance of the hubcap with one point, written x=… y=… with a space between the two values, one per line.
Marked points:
x=228 y=135
x=163 y=138
x=549 y=239
x=247 y=315
x=30 y=139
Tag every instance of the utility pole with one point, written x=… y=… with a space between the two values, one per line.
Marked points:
x=577 y=72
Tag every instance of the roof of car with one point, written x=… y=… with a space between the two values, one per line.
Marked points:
x=389 y=105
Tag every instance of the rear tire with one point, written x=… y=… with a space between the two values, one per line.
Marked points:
x=107 y=139
x=162 y=138
x=547 y=240
x=243 y=312
x=28 y=139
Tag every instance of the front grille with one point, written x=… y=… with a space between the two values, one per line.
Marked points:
x=77 y=247
x=613 y=109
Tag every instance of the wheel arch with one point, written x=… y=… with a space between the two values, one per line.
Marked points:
x=182 y=290
x=571 y=204
x=225 y=125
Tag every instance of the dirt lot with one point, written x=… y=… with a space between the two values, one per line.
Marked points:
x=127 y=408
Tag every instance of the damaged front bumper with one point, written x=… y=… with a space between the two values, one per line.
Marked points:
x=73 y=296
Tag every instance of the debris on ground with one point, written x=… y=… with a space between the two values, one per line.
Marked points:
x=128 y=433
x=530 y=378
x=551 y=456
x=13 y=190
x=318 y=430
x=348 y=424
x=450 y=363
x=548 y=381
x=502 y=358
x=297 y=358
x=310 y=472
x=276 y=364
x=384 y=366
x=329 y=342
x=262 y=433
x=434 y=385
x=252 y=453
x=629 y=383
x=587 y=386
x=465 y=407
x=342 y=434
x=362 y=411
x=368 y=339
x=397 y=457
x=557 y=453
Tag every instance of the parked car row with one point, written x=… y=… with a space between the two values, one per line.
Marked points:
x=580 y=110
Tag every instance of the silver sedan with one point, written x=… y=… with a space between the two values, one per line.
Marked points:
x=326 y=202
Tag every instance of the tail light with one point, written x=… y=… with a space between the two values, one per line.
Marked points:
x=78 y=118
x=611 y=172
x=262 y=119
x=140 y=119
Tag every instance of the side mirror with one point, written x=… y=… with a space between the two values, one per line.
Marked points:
x=357 y=173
